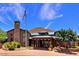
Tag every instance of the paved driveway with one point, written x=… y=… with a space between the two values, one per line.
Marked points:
x=26 y=52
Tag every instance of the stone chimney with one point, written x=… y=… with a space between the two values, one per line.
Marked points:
x=17 y=31
x=17 y=25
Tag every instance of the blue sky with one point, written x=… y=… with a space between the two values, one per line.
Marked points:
x=54 y=16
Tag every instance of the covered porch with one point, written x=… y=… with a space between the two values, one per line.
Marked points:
x=42 y=42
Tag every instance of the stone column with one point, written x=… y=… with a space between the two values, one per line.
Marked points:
x=32 y=43
x=50 y=43
x=37 y=43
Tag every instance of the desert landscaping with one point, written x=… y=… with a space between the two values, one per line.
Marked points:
x=27 y=52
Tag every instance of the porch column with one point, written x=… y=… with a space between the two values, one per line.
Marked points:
x=50 y=43
x=36 y=43
x=32 y=43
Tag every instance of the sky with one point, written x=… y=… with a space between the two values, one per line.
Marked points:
x=54 y=16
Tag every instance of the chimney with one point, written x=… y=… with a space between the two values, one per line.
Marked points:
x=17 y=25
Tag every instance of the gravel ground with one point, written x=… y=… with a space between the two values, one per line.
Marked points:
x=26 y=52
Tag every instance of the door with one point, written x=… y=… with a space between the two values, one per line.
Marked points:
x=43 y=43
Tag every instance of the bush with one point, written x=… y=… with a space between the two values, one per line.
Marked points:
x=11 y=45
x=51 y=46
x=16 y=44
x=75 y=46
x=6 y=45
x=29 y=47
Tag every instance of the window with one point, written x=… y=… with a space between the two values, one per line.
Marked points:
x=45 y=33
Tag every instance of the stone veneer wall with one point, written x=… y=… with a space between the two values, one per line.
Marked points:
x=10 y=35
x=17 y=35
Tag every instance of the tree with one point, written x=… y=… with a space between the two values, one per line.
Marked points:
x=3 y=36
x=66 y=35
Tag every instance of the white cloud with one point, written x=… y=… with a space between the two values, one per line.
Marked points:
x=19 y=11
x=15 y=9
x=2 y=20
x=9 y=18
x=50 y=11
x=48 y=25
x=61 y=15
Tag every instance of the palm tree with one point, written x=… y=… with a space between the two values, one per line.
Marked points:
x=66 y=35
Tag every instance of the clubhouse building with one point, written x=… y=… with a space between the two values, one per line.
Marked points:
x=37 y=37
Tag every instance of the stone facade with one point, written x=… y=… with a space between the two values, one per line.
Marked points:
x=18 y=34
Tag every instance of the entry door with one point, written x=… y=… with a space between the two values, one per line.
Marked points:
x=43 y=43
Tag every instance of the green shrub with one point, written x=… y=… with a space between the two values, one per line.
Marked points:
x=16 y=44
x=6 y=45
x=75 y=46
x=11 y=45
x=51 y=46
x=29 y=47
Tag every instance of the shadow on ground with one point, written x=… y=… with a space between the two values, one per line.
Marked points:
x=66 y=51
x=44 y=49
